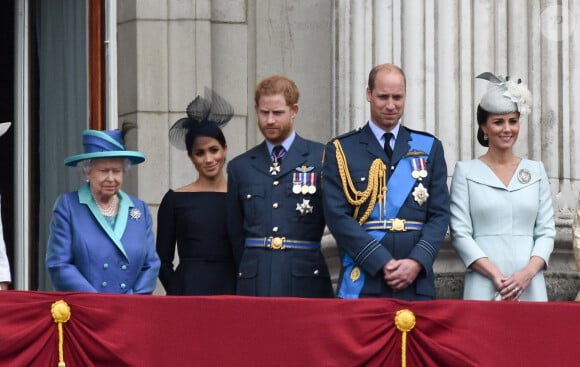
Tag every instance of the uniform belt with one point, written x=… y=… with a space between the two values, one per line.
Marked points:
x=281 y=243
x=393 y=225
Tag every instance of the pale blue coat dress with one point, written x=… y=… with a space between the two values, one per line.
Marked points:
x=506 y=224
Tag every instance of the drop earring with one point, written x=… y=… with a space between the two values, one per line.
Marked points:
x=485 y=136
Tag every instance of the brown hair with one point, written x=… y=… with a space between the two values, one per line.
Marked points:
x=277 y=84
x=384 y=67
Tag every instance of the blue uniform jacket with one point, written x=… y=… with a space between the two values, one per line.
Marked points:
x=261 y=205
x=361 y=148
x=86 y=254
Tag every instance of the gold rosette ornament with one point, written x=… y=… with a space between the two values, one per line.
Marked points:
x=405 y=322
x=60 y=314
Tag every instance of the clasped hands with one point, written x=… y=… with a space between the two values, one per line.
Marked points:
x=399 y=274
x=511 y=287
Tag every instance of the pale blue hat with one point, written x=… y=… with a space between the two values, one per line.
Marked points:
x=505 y=95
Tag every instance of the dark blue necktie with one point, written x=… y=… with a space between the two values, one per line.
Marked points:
x=387 y=147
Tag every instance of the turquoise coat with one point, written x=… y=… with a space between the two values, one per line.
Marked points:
x=508 y=225
x=86 y=254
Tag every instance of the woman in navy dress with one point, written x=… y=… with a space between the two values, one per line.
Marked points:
x=192 y=217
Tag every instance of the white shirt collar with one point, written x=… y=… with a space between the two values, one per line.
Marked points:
x=286 y=143
x=379 y=133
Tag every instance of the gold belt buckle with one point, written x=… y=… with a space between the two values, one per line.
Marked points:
x=398 y=225
x=277 y=243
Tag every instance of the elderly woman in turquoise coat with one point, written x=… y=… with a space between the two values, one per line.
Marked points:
x=502 y=220
x=101 y=239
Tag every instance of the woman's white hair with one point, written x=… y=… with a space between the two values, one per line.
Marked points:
x=85 y=166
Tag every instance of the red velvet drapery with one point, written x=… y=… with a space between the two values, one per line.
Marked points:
x=115 y=331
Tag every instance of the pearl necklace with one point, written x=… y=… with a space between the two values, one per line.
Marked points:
x=111 y=210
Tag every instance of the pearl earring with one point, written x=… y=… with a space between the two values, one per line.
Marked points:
x=485 y=136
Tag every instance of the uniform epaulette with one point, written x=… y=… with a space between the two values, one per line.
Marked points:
x=348 y=133
x=422 y=132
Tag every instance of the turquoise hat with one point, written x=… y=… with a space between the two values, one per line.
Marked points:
x=104 y=144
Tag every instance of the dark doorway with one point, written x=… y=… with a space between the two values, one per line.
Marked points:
x=7 y=114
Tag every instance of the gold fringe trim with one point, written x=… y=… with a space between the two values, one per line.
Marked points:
x=405 y=322
x=376 y=187
x=60 y=311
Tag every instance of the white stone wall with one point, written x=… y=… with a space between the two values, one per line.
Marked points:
x=170 y=50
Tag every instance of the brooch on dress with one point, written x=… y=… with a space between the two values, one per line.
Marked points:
x=524 y=176
x=135 y=214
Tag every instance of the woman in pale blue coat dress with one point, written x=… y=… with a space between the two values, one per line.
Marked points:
x=502 y=220
x=101 y=239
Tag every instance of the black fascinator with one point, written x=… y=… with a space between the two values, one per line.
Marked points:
x=211 y=110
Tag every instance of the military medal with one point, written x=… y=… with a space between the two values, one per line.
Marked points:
x=312 y=187
x=274 y=168
x=415 y=165
x=422 y=167
x=304 y=207
x=524 y=176
x=296 y=183
x=302 y=180
x=420 y=194
x=277 y=154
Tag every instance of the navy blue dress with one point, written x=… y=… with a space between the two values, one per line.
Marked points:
x=195 y=222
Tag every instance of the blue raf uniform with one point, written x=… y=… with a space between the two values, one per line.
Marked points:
x=276 y=221
x=86 y=254
x=406 y=217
